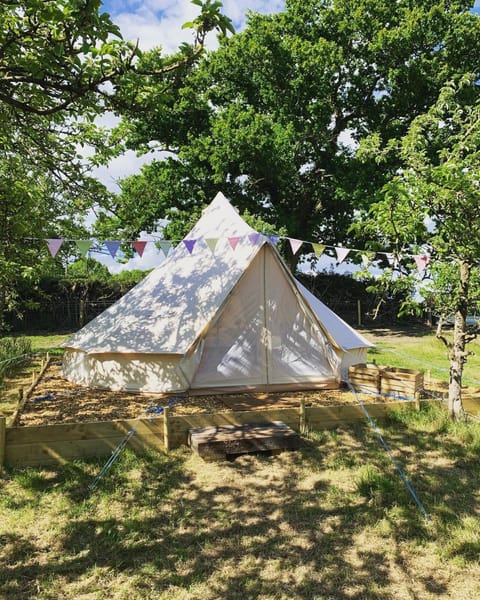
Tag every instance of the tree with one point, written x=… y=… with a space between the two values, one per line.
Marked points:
x=56 y=57
x=266 y=116
x=434 y=204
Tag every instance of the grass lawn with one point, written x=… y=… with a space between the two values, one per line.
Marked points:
x=331 y=521
x=418 y=348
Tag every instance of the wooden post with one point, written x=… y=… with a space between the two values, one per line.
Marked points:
x=303 y=423
x=359 y=313
x=3 y=430
x=417 y=400
x=166 y=432
x=20 y=395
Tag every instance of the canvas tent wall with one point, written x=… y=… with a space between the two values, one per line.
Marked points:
x=227 y=315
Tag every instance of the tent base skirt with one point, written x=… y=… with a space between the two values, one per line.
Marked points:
x=330 y=384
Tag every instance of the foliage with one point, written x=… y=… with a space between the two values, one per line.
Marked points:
x=13 y=353
x=56 y=59
x=266 y=117
x=434 y=204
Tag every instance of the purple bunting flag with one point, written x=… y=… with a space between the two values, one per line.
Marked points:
x=274 y=239
x=254 y=238
x=189 y=244
x=112 y=246
x=54 y=246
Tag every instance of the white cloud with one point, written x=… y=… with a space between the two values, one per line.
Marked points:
x=159 y=22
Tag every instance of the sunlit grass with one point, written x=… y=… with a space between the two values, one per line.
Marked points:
x=331 y=520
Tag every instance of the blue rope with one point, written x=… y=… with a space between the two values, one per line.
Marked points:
x=152 y=411
x=405 y=480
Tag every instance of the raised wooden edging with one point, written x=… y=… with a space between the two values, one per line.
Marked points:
x=53 y=444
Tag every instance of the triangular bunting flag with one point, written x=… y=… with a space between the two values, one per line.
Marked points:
x=165 y=246
x=318 y=248
x=254 y=238
x=211 y=243
x=83 y=246
x=112 y=246
x=189 y=245
x=139 y=247
x=233 y=241
x=54 y=246
x=295 y=245
x=421 y=262
x=342 y=254
x=274 y=239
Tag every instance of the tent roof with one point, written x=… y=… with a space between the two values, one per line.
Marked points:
x=167 y=311
x=345 y=336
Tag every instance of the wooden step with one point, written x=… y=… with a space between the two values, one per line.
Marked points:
x=223 y=442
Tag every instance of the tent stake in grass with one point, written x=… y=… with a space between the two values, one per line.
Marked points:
x=153 y=411
x=386 y=447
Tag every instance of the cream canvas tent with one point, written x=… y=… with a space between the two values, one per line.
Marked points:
x=221 y=312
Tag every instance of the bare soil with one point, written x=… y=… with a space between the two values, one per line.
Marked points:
x=56 y=400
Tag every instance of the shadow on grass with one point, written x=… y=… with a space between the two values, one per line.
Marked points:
x=272 y=527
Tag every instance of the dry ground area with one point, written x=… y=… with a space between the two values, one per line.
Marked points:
x=56 y=400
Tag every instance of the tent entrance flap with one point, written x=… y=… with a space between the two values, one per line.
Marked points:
x=263 y=336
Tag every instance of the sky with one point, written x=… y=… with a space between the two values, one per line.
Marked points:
x=159 y=23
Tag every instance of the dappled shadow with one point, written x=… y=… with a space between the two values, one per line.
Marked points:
x=255 y=527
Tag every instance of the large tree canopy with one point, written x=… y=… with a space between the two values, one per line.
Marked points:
x=274 y=115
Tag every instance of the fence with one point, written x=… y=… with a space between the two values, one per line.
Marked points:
x=54 y=444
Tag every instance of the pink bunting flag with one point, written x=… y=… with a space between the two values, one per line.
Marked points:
x=139 y=247
x=342 y=254
x=112 y=246
x=189 y=244
x=54 y=246
x=421 y=261
x=233 y=241
x=295 y=245
x=254 y=238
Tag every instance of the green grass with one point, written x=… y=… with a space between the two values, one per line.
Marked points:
x=331 y=521
x=421 y=350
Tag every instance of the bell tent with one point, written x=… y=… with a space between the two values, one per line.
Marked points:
x=221 y=313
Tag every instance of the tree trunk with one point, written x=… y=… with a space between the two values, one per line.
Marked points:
x=458 y=356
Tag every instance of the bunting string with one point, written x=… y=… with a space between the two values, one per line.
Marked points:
x=340 y=253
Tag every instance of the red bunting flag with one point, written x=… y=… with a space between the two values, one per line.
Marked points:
x=139 y=247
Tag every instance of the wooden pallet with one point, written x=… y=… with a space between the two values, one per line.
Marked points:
x=227 y=441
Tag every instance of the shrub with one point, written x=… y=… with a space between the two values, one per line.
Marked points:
x=14 y=352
